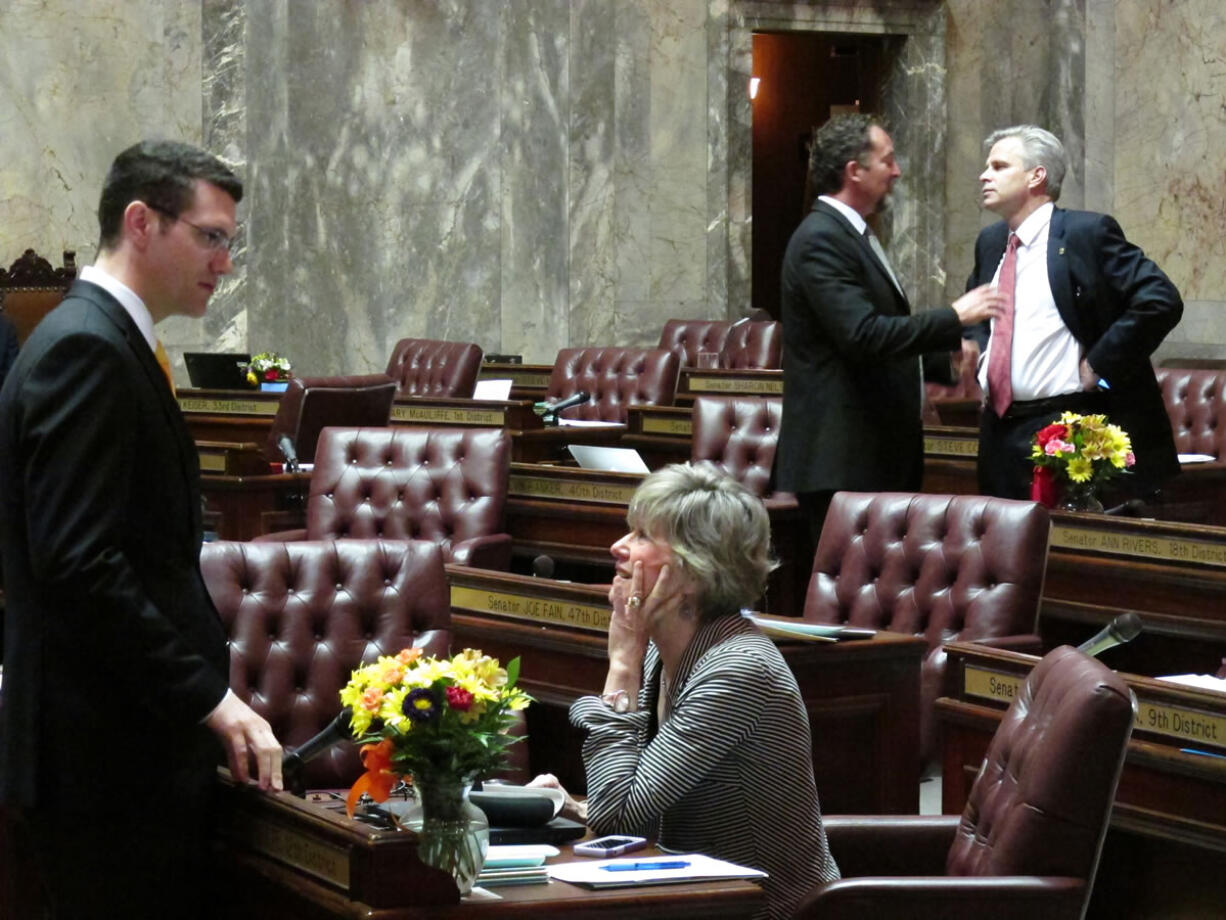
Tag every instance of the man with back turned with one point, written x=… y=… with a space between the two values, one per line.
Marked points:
x=852 y=347
x=115 y=692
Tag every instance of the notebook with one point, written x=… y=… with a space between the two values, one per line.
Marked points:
x=212 y=370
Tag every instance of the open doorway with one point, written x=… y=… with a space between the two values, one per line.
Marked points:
x=802 y=78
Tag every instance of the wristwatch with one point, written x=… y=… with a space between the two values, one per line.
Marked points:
x=618 y=700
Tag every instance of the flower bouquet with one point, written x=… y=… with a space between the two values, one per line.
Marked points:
x=1074 y=456
x=268 y=367
x=443 y=724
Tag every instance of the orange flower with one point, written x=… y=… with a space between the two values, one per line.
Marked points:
x=379 y=777
x=408 y=655
x=372 y=698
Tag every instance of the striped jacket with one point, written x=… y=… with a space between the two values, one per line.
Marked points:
x=728 y=773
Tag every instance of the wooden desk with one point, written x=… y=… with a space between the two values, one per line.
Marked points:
x=243 y=507
x=284 y=858
x=1166 y=844
x=574 y=515
x=862 y=697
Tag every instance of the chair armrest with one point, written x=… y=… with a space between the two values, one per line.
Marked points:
x=492 y=551
x=1027 y=643
x=281 y=536
x=890 y=844
x=1005 y=897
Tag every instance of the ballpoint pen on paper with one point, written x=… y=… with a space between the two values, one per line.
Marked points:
x=647 y=866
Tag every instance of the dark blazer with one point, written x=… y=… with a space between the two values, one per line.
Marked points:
x=1120 y=306
x=113 y=650
x=851 y=365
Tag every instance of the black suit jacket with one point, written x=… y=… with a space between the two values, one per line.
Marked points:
x=1120 y=306
x=851 y=367
x=114 y=652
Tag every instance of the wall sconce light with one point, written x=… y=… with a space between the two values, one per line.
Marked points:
x=754 y=82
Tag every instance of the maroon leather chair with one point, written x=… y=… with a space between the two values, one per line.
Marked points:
x=753 y=346
x=1027 y=843
x=738 y=434
x=429 y=367
x=615 y=379
x=945 y=567
x=447 y=485
x=1195 y=402
x=310 y=404
x=302 y=616
x=687 y=337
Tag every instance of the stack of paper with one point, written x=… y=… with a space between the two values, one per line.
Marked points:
x=651 y=870
x=516 y=865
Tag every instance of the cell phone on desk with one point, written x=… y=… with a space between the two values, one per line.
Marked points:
x=613 y=845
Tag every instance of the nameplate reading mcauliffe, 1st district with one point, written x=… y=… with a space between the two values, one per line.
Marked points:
x=530 y=607
x=453 y=415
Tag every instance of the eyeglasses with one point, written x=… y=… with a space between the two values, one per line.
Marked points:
x=214 y=240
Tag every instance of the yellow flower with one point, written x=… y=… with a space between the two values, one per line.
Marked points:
x=1080 y=469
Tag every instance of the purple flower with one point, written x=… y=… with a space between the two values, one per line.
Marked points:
x=420 y=705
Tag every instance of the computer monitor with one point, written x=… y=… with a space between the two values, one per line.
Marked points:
x=211 y=370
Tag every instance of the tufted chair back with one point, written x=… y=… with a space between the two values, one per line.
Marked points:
x=1195 y=402
x=1043 y=796
x=302 y=616
x=312 y=403
x=738 y=434
x=687 y=337
x=753 y=346
x=448 y=485
x=946 y=567
x=615 y=378
x=429 y=367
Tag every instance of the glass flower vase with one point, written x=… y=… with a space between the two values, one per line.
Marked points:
x=1080 y=496
x=454 y=834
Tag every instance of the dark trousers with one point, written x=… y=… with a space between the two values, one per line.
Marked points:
x=813 y=507
x=1005 y=468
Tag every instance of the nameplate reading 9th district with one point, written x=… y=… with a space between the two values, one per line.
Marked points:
x=1111 y=542
x=323 y=860
x=653 y=424
x=529 y=607
x=992 y=685
x=228 y=406
x=453 y=415
x=950 y=447
x=1198 y=728
x=770 y=387
x=547 y=487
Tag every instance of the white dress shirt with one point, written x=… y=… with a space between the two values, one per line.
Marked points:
x=1046 y=356
x=128 y=299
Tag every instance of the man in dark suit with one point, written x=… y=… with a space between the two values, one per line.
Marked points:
x=1088 y=310
x=115 y=692
x=852 y=390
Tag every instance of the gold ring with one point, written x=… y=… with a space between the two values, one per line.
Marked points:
x=635 y=600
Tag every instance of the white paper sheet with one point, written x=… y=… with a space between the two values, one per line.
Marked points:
x=592 y=873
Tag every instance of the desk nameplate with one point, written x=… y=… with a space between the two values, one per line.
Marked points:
x=950 y=447
x=748 y=385
x=524 y=606
x=1179 y=722
x=450 y=415
x=654 y=424
x=325 y=861
x=517 y=378
x=1141 y=546
x=525 y=486
x=212 y=462
x=210 y=406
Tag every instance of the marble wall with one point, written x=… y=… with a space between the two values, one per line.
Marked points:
x=533 y=174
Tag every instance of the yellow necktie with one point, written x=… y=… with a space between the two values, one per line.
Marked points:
x=164 y=362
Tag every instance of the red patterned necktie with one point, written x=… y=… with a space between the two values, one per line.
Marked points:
x=1000 y=362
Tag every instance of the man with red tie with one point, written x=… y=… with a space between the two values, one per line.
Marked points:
x=1084 y=310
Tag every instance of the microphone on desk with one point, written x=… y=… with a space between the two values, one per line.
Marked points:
x=286 y=445
x=1124 y=628
x=543 y=566
x=549 y=411
x=293 y=761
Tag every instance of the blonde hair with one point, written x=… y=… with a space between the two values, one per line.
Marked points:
x=718 y=530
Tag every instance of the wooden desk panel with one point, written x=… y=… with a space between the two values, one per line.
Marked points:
x=1167 y=839
x=862 y=697
x=284 y=858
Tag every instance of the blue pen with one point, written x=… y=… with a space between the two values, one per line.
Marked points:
x=1200 y=752
x=637 y=866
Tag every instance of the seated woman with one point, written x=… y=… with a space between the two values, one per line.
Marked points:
x=701 y=738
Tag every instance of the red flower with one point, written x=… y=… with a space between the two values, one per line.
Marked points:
x=1043 y=488
x=1052 y=431
x=270 y=374
x=459 y=699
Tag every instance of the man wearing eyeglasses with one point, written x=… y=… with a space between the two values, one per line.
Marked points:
x=116 y=671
